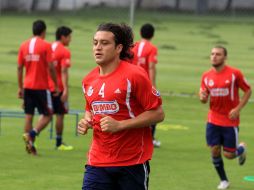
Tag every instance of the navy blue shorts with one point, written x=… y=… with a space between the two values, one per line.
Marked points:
x=134 y=177
x=225 y=136
x=40 y=99
x=59 y=107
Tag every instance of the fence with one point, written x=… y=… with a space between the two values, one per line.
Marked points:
x=19 y=114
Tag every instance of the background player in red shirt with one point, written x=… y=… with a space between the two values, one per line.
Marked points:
x=145 y=56
x=222 y=84
x=62 y=62
x=35 y=55
x=121 y=104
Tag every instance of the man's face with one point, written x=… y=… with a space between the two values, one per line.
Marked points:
x=66 y=40
x=217 y=57
x=104 y=48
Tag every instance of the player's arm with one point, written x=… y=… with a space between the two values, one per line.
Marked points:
x=108 y=124
x=203 y=91
x=65 y=79
x=52 y=72
x=152 y=73
x=203 y=95
x=234 y=113
x=20 y=81
x=85 y=123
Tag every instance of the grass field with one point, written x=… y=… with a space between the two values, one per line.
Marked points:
x=184 y=42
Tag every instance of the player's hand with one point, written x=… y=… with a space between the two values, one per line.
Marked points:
x=83 y=126
x=56 y=92
x=203 y=95
x=108 y=124
x=20 y=93
x=234 y=114
x=64 y=96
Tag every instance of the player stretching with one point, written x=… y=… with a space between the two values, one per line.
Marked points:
x=121 y=104
x=222 y=84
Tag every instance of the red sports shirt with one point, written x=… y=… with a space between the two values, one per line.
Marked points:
x=144 y=53
x=122 y=94
x=223 y=88
x=35 y=54
x=61 y=58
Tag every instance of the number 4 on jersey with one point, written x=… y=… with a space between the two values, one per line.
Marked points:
x=101 y=92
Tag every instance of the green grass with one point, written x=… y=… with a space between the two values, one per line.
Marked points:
x=184 y=42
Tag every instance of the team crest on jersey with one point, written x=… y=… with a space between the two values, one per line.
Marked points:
x=105 y=107
x=155 y=92
x=90 y=91
x=210 y=83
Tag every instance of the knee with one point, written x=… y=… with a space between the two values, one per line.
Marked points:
x=229 y=155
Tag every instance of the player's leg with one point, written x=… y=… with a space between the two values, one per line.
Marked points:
x=97 y=178
x=29 y=107
x=156 y=143
x=134 y=177
x=231 y=147
x=60 y=108
x=44 y=106
x=214 y=140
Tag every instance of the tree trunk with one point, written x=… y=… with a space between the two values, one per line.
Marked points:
x=54 y=5
x=229 y=5
x=34 y=5
x=177 y=4
x=138 y=3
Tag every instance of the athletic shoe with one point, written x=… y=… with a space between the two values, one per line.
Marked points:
x=156 y=143
x=223 y=185
x=30 y=148
x=64 y=147
x=242 y=157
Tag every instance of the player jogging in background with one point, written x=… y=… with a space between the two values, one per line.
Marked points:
x=145 y=56
x=36 y=56
x=222 y=84
x=62 y=62
x=121 y=104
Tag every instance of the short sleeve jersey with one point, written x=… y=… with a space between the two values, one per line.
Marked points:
x=35 y=54
x=144 y=53
x=223 y=88
x=61 y=58
x=123 y=94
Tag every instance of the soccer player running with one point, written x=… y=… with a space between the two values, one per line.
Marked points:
x=222 y=84
x=35 y=55
x=145 y=56
x=121 y=104
x=61 y=60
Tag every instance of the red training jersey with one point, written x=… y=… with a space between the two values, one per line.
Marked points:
x=61 y=58
x=123 y=94
x=35 y=54
x=144 y=53
x=223 y=88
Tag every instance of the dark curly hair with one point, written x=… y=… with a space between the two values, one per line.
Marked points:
x=122 y=35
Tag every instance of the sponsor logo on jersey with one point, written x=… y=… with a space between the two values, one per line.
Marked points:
x=105 y=107
x=155 y=92
x=90 y=91
x=219 y=92
x=32 y=57
x=210 y=83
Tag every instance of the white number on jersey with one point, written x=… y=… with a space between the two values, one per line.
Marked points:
x=101 y=92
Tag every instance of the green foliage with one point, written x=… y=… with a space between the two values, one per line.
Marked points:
x=184 y=42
